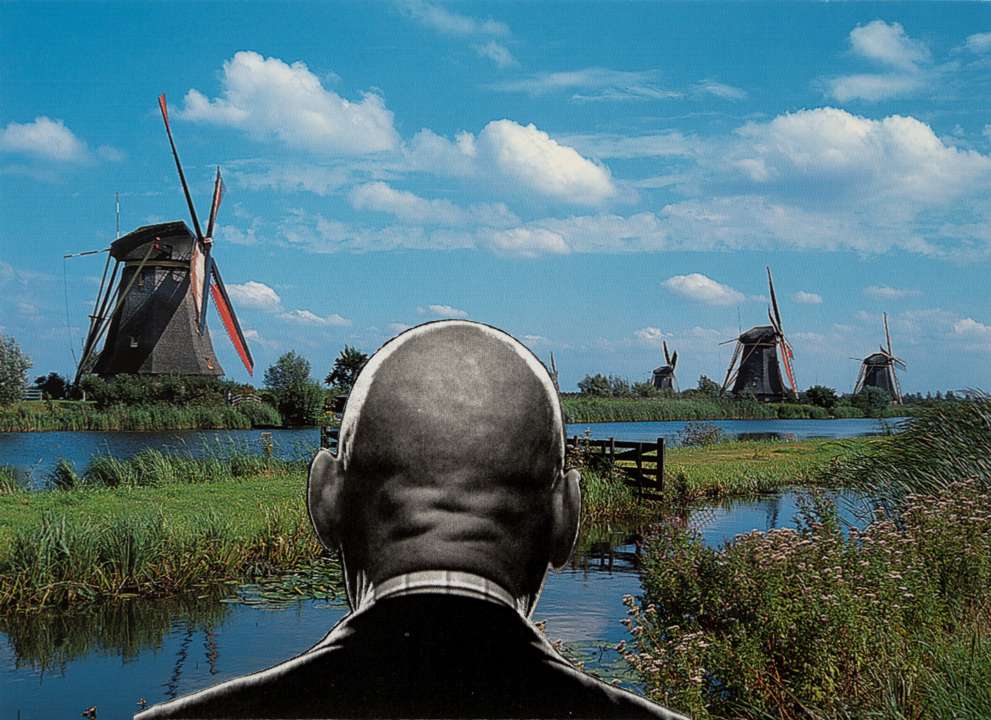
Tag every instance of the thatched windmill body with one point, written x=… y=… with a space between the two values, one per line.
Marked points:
x=663 y=377
x=153 y=309
x=878 y=369
x=761 y=351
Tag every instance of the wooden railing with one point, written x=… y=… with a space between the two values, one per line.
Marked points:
x=641 y=462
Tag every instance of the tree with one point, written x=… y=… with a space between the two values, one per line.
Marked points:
x=709 y=387
x=595 y=385
x=53 y=385
x=874 y=401
x=299 y=399
x=346 y=368
x=822 y=396
x=14 y=366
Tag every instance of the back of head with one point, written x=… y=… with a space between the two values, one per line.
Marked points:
x=451 y=448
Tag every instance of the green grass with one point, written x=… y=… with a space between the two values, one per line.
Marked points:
x=75 y=415
x=579 y=409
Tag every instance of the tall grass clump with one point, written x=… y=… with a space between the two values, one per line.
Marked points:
x=69 y=561
x=940 y=445
x=8 y=480
x=153 y=467
x=891 y=621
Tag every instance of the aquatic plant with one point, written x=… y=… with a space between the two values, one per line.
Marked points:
x=69 y=561
x=696 y=434
x=941 y=444
x=815 y=622
x=77 y=416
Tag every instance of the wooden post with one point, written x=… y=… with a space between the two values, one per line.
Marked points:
x=612 y=450
x=640 y=468
x=660 y=464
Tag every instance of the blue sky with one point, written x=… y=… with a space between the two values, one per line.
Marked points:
x=589 y=177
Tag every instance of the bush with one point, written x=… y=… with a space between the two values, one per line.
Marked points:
x=14 y=366
x=817 y=623
x=697 y=434
x=298 y=398
x=53 y=385
x=822 y=396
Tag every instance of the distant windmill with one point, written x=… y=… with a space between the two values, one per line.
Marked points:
x=878 y=370
x=154 y=318
x=664 y=378
x=755 y=368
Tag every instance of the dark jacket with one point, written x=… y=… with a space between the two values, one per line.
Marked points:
x=424 y=655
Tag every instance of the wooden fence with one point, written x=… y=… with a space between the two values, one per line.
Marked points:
x=641 y=462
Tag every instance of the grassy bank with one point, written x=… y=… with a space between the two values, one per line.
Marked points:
x=157 y=525
x=77 y=415
x=579 y=409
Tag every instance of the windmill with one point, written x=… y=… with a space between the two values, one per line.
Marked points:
x=878 y=369
x=664 y=378
x=755 y=368
x=154 y=317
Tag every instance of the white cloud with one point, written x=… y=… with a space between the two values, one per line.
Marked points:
x=396 y=328
x=885 y=292
x=268 y=98
x=720 y=90
x=592 y=84
x=650 y=335
x=497 y=53
x=979 y=42
x=702 y=288
x=519 y=157
x=531 y=158
x=306 y=317
x=973 y=330
x=807 y=298
x=45 y=138
x=888 y=44
x=526 y=242
x=885 y=44
x=896 y=158
x=444 y=311
x=256 y=338
x=874 y=86
x=253 y=294
x=442 y=20
x=410 y=207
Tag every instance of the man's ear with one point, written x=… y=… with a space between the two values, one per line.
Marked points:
x=566 y=510
x=323 y=498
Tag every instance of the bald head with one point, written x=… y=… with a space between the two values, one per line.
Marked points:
x=451 y=457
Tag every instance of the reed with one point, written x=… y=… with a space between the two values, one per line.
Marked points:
x=939 y=445
x=8 y=481
x=579 y=409
x=70 y=561
x=79 y=416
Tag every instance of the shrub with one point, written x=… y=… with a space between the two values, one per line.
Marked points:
x=814 y=622
x=697 y=434
x=822 y=396
x=874 y=401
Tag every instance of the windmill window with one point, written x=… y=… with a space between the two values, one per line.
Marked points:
x=133 y=341
x=141 y=281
